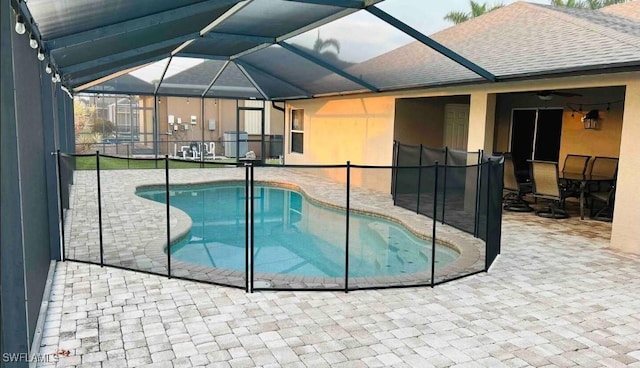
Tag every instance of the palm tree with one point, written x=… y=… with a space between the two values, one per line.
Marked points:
x=321 y=44
x=586 y=4
x=569 y=3
x=477 y=9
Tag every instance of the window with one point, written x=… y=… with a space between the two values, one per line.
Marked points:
x=297 y=131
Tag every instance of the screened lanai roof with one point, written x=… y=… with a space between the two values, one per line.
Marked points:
x=287 y=49
x=263 y=49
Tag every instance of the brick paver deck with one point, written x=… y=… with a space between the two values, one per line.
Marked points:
x=556 y=297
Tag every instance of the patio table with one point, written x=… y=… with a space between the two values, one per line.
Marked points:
x=584 y=181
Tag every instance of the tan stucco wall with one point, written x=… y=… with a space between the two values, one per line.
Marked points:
x=625 y=234
x=605 y=141
x=481 y=121
x=359 y=130
x=336 y=131
x=421 y=120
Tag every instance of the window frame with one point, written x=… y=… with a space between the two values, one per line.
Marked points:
x=293 y=131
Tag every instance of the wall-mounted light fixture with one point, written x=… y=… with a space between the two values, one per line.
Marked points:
x=590 y=120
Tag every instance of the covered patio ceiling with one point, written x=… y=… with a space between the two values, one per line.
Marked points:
x=250 y=49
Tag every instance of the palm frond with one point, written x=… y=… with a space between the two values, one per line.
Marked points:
x=457 y=17
x=477 y=9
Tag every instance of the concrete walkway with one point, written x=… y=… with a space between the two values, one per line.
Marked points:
x=556 y=297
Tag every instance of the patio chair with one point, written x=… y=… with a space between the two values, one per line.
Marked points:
x=602 y=166
x=513 y=200
x=605 y=213
x=574 y=164
x=546 y=186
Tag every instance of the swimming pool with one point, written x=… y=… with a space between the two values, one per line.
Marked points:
x=292 y=235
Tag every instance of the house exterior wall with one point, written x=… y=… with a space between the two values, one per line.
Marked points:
x=360 y=128
x=421 y=120
x=626 y=232
x=335 y=131
x=605 y=141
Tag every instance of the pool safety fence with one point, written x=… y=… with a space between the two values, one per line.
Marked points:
x=345 y=211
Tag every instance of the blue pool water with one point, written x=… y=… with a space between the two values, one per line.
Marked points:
x=292 y=235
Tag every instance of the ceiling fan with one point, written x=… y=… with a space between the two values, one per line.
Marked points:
x=547 y=95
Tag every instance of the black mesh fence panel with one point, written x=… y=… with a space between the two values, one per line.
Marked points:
x=432 y=155
x=133 y=227
x=299 y=228
x=459 y=197
x=494 y=212
x=406 y=186
x=208 y=222
x=388 y=246
x=427 y=183
x=287 y=227
x=79 y=178
x=483 y=195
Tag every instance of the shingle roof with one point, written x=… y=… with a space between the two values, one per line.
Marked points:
x=630 y=10
x=521 y=39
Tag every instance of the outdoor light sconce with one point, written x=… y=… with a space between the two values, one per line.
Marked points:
x=590 y=120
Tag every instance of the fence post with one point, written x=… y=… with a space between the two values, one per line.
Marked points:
x=395 y=176
x=252 y=225
x=348 y=205
x=433 y=231
x=419 y=179
x=478 y=179
x=128 y=156
x=394 y=163
x=486 y=241
x=99 y=209
x=166 y=196
x=444 y=181
x=246 y=227
x=60 y=205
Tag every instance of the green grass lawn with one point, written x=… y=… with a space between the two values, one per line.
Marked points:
x=113 y=163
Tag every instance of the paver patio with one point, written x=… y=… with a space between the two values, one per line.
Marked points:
x=556 y=297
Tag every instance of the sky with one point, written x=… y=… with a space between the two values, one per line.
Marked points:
x=427 y=15
x=361 y=35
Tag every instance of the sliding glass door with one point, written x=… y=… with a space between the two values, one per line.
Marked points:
x=535 y=134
